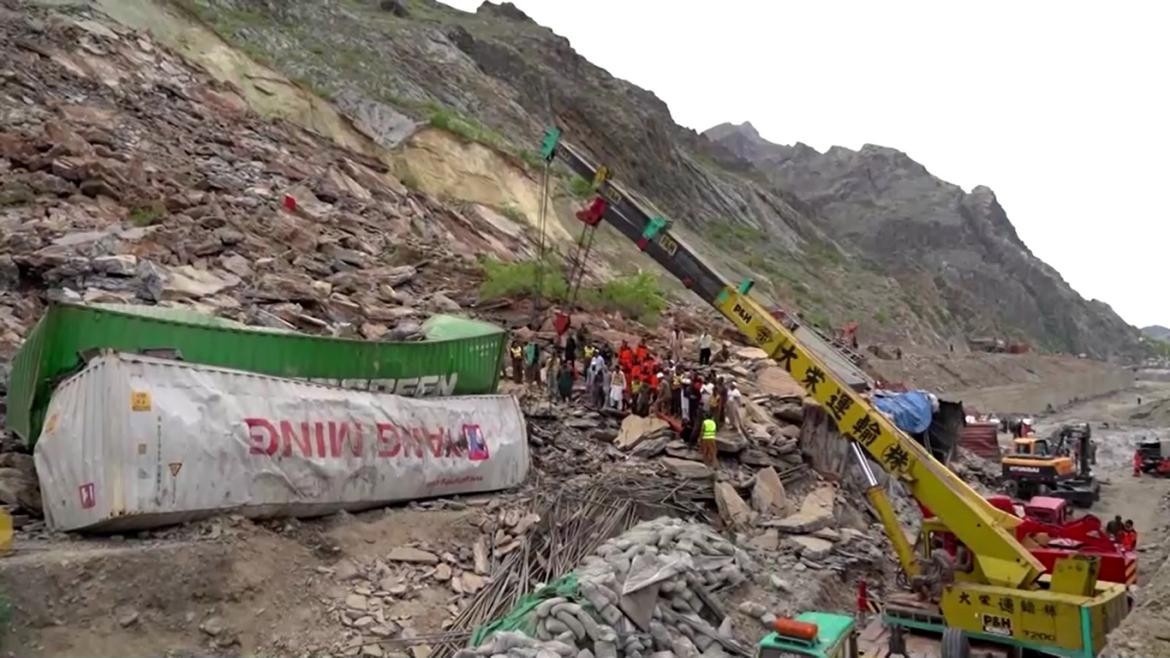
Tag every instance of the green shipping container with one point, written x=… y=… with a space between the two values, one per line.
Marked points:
x=460 y=356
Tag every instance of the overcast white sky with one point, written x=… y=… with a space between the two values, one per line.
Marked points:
x=1062 y=108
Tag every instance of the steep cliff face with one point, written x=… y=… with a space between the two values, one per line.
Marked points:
x=892 y=210
x=866 y=236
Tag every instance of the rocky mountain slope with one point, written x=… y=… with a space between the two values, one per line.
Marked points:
x=1157 y=331
x=961 y=246
x=126 y=175
x=865 y=236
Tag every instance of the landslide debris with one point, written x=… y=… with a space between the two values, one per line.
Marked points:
x=128 y=176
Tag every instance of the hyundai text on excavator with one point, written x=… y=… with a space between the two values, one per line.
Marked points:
x=1059 y=466
x=1006 y=597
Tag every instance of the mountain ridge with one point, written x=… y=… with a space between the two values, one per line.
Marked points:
x=812 y=247
x=1157 y=331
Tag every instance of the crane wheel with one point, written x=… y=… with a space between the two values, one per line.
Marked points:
x=954 y=644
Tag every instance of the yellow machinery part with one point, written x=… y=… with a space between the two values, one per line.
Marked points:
x=984 y=529
x=1040 y=617
x=902 y=547
x=1009 y=595
x=1076 y=574
x=5 y=531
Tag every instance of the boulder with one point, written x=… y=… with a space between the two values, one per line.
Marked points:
x=828 y=534
x=790 y=412
x=286 y=287
x=236 y=264
x=813 y=548
x=397 y=276
x=776 y=381
x=751 y=353
x=731 y=506
x=755 y=457
x=651 y=447
x=637 y=428
x=187 y=282
x=686 y=468
x=394 y=7
x=9 y=273
x=18 y=487
x=768 y=541
x=730 y=443
x=816 y=512
x=119 y=265
x=444 y=304
x=789 y=431
x=768 y=495
x=411 y=554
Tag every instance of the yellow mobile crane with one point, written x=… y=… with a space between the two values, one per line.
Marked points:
x=1006 y=597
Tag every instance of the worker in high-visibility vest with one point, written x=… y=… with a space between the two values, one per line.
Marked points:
x=707 y=443
x=517 y=362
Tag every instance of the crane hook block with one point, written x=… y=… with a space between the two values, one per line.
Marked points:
x=593 y=213
x=653 y=228
x=548 y=145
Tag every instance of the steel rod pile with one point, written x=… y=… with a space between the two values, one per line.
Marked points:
x=573 y=524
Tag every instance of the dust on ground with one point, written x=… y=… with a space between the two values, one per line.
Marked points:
x=1118 y=423
x=1006 y=383
x=245 y=587
x=1117 y=432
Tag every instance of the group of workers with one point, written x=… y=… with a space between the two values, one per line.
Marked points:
x=633 y=379
x=1122 y=533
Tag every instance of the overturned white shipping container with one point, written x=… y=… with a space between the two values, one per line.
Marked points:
x=135 y=442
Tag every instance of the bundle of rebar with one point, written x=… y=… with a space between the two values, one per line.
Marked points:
x=573 y=523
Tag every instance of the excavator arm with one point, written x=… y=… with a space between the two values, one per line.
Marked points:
x=983 y=529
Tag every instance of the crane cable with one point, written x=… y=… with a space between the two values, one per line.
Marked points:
x=579 y=260
x=541 y=222
x=548 y=151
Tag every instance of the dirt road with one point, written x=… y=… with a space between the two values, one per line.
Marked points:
x=1118 y=425
x=1119 y=421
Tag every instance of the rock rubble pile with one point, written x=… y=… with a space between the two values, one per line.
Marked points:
x=646 y=592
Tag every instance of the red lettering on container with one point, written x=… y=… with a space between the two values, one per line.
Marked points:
x=289 y=436
x=418 y=436
x=436 y=441
x=261 y=444
x=455 y=447
x=268 y=437
x=389 y=440
x=320 y=438
x=339 y=432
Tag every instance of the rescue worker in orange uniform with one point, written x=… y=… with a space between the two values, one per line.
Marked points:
x=641 y=353
x=1129 y=536
x=625 y=357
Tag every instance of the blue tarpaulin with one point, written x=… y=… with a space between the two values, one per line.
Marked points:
x=911 y=411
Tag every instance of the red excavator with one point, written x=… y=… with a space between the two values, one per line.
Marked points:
x=1047 y=530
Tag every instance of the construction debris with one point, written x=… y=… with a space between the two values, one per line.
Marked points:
x=816 y=512
x=647 y=590
x=768 y=495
